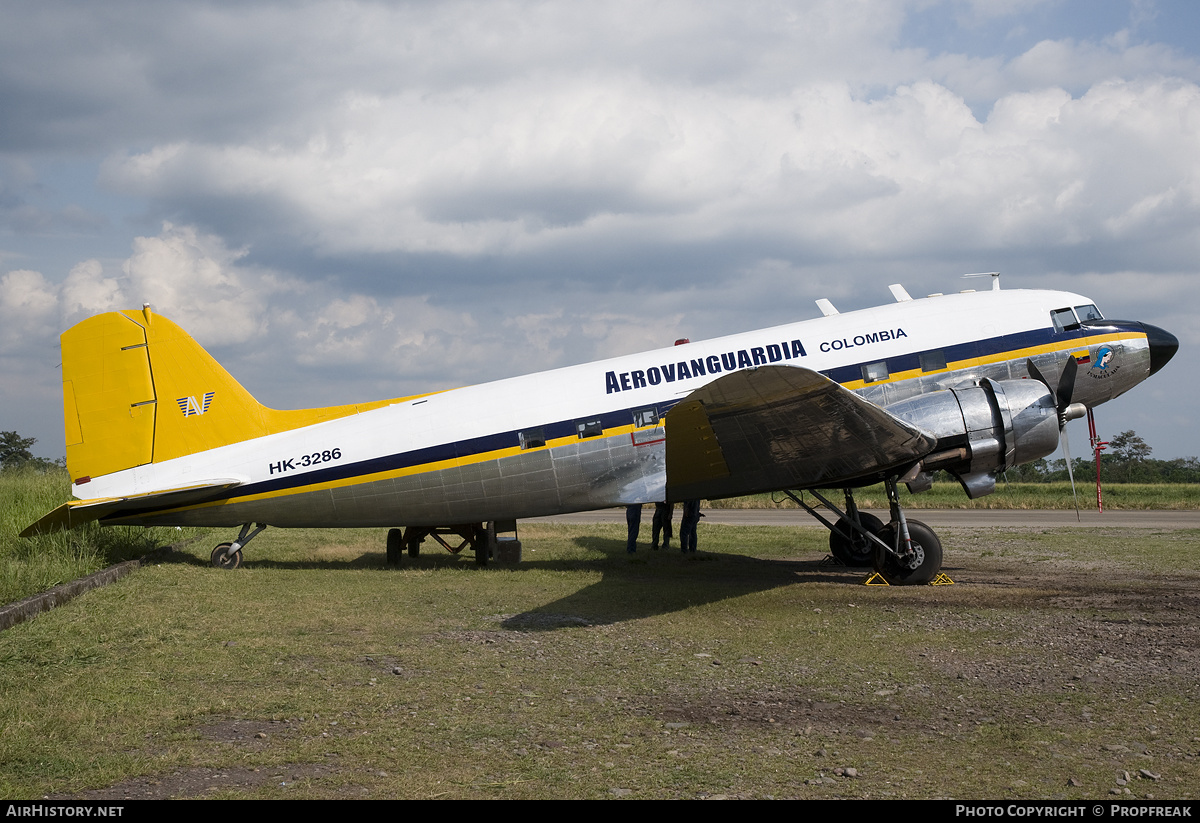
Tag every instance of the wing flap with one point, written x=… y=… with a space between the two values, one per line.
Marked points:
x=781 y=427
x=76 y=513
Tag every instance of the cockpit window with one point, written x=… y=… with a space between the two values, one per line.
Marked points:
x=1088 y=312
x=1064 y=320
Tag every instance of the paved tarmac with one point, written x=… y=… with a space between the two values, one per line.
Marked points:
x=935 y=518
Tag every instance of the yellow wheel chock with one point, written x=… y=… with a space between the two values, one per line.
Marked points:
x=877 y=579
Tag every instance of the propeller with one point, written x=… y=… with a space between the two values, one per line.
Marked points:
x=1066 y=409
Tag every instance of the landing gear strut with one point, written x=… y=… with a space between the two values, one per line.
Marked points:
x=469 y=535
x=229 y=555
x=903 y=552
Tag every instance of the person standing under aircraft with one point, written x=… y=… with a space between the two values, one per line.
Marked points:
x=633 y=519
x=687 y=525
x=662 y=523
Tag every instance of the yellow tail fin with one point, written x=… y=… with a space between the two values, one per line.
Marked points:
x=138 y=389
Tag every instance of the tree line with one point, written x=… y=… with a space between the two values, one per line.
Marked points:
x=1126 y=460
x=15 y=454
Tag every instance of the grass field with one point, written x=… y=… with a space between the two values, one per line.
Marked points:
x=1054 y=668
x=29 y=566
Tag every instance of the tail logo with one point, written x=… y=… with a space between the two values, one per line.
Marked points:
x=190 y=406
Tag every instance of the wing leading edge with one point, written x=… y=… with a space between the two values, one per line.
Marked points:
x=781 y=427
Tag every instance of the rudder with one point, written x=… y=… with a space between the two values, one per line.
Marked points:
x=138 y=389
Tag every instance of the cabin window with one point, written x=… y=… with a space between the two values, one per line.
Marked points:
x=589 y=428
x=874 y=372
x=933 y=360
x=645 y=417
x=532 y=438
x=1088 y=312
x=1064 y=320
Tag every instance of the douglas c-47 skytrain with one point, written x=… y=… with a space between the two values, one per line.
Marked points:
x=158 y=433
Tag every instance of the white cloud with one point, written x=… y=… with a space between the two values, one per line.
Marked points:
x=1082 y=64
x=86 y=291
x=194 y=278
x=486 y=175
x=27 y=303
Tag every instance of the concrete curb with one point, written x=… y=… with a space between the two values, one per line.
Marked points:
x=32 y=606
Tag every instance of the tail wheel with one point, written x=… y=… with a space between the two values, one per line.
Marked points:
x=395 y=546
x=224 y=558
x=859 y=550
x=921 y=567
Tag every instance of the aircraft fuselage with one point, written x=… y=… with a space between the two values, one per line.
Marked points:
x=592 y=436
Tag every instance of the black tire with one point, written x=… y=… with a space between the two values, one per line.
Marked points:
x=395 y=545
x=480 y=545
x=223 y=558
x=899 y=575
x=412 y=540
x=859 y=552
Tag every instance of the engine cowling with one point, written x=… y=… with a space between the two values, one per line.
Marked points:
x=981 y=429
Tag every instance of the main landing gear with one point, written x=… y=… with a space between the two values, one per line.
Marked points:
x=229 y=555
x=469 y=535
x=903 y=551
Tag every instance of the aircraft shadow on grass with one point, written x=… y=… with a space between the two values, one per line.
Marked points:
x=634 y=586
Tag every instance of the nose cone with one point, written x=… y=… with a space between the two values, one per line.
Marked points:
x=1163 y=346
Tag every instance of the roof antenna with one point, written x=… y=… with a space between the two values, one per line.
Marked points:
x=995 y=275
x=826 y=307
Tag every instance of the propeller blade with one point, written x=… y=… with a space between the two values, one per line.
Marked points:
x=1035 y=373
x=1066 y=447
x=1066 y=383
x=1062 y=399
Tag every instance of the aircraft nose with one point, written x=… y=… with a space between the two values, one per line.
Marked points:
x=1163 y=346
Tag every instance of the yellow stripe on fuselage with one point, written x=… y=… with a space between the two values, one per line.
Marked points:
x=1069 y=346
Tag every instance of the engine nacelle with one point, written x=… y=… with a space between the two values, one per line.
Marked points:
x=981 y=429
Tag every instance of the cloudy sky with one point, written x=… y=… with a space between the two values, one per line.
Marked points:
x=354 y=200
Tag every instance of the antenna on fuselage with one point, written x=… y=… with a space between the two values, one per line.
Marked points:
x=995 y=275
x=826 y=307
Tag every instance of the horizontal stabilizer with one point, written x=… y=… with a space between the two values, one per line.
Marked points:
x=78 y=512
x=781 y=427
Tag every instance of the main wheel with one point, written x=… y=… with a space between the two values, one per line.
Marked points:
x=922 y=567
x=395 y=545
x=859 y=550
x=223 y=558
x=481 y=547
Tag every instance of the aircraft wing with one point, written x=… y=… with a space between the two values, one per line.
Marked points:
x=78 y=512
x=781 y=427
